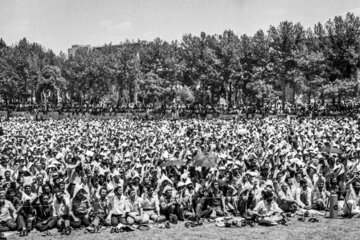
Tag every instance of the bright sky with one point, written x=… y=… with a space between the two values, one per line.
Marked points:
x=58 y=24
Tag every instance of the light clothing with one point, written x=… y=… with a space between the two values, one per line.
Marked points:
x=61 y=208
x=120 y=206
x=6 y=211
x=150 y=203
x=263 y=208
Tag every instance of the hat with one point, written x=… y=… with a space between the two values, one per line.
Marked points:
x=167 y=188
x=188 y=182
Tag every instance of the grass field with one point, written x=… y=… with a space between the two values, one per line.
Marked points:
x=324 y=229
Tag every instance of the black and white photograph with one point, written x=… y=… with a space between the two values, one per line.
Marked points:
x=179 y=119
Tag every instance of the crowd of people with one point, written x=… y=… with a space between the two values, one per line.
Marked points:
x=125 y=174
x=193 y=110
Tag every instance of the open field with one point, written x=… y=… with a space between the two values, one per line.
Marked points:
x=324 y=229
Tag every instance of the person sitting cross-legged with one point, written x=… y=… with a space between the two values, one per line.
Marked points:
x=135 y=214
x=45 y=214
x=151 y=206
x=319 y=196
x=217 y=202
x=168 y=204
x=118 y=208
x=286 y=201
x=7 y=214
x=267 y=211
x=303 y=195
x=61 y=206
x=81 y=208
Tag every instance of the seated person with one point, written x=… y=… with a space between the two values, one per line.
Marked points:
x=62 y=211
x=267 y=210
x=45 y=214
x=7 y=214
x=285 y=200
x=118 y=208
x=183 y=199
x=81 y=208
x=135 y=214
x=168 y=204
x=217 y=203
x=303 y=195
x=202 y=201
x=319 y=196
x=26 y=213
x=150 y=205
x=101 y=209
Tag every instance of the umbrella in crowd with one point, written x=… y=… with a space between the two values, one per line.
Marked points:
x=173 y=163
x=205 y=160
x=332 y=150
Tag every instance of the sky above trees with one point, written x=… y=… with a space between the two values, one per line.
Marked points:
x=58 y=24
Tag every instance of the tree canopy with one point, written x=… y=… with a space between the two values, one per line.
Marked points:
x=318 y=63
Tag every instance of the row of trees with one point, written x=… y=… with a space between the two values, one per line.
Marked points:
x=320 y=63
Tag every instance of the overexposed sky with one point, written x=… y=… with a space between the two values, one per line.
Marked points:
x=58 y=24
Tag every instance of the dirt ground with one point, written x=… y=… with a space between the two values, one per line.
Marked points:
x=324 y=229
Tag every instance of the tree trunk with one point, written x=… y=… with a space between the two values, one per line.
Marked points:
x=283 y=93
x=237 y=97
x=212 y=95
x=230 y=94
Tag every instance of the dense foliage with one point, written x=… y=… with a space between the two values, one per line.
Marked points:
x=317 y=63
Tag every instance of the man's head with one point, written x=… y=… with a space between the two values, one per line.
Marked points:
x=118 y=191
x=298 y=176
x=11 y=193
x=103 y=192
x=216 y=185
x=303 y=184
x=46 y=188
x=132 y=193
x=149 y=191
x=7 y=174
x=59 y=195
x=268 y=196
x=357 y=185
x=2 y=196
x=136 y=180
x=45 y=199
x=27 y=189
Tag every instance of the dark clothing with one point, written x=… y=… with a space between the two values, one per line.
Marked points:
x=25 y=222
x=216 y=198
x=50 y=224
x=43 y=212
x=9 y=225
